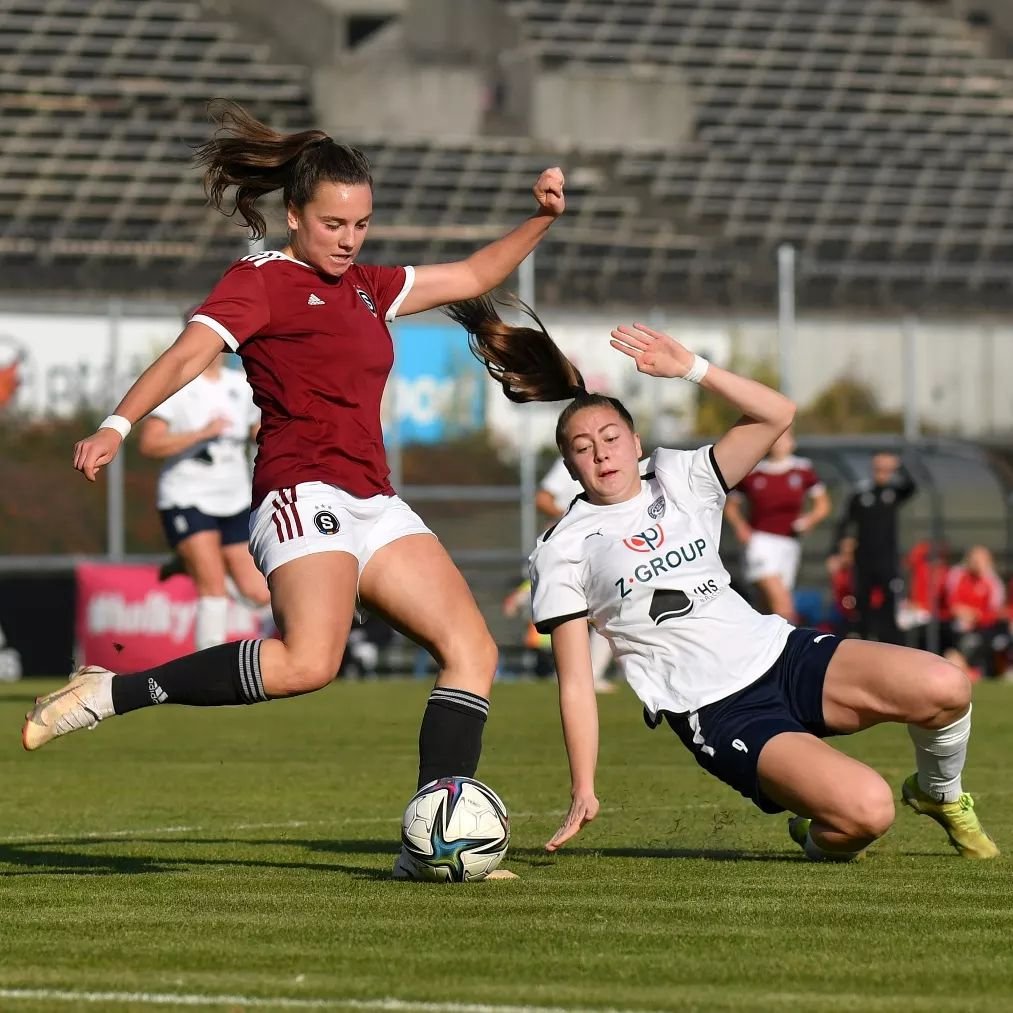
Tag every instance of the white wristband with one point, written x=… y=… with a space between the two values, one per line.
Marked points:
x=698 y=370
x=117 y=422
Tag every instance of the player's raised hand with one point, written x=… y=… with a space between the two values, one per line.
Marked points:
x=94 y=452
x=655 y=353
x=548 y=192
x=583 y=809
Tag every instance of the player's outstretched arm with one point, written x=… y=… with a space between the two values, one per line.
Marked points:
x=158 y=440
x=578 y=708
x=819 y=511
x=737 y=520
x=186 y=358
x=766 y=413
x=441 y=284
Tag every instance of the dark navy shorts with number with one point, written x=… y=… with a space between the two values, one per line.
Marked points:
x=181 y=522
x=726 y=737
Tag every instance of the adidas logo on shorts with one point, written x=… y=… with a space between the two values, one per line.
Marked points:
x=314 y=300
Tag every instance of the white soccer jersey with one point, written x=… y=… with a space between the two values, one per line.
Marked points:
x=213 y=476
x=648 y=575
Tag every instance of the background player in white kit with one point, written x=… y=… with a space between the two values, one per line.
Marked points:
x=775 y=492
x=203 y=432
x=555 y=493
x=752 y=697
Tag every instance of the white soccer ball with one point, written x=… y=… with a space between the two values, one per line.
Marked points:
x=455 y=830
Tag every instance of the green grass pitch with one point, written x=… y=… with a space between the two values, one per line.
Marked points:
x=239 y=859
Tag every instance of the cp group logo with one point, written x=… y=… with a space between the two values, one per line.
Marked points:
x=646 y=541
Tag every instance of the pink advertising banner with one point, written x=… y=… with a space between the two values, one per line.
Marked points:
x=128 y=620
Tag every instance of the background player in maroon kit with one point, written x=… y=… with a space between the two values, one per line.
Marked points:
x=311 y=326
x=775 y=492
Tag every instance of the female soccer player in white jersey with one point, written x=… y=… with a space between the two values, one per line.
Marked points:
x=752 y=697
x=311 y=326
x=202 y=433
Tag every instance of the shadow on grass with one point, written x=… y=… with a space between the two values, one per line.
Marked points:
x=52 y=858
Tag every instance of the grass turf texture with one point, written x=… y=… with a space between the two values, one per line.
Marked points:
x=274 y=882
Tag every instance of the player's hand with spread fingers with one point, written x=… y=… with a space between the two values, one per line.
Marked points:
x=583 y=809
x=655 y=353
x=548 y=192
x=96 y=451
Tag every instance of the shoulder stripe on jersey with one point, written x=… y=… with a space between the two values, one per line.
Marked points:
x=717 y=470
x=548 y=625
x=264 y=257
x=548 y=534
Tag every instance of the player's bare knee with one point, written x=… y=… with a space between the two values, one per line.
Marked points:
x=872 y=811
x=475 y=655
x=306 y=674
x=256 y=592
x=947 y=693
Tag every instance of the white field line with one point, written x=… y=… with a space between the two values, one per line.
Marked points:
x=280 y=1002
x=293 y=825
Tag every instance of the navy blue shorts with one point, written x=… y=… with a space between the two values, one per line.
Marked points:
x=726 y=737
x=181 y=522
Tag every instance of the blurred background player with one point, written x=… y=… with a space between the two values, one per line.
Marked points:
x=870 y=516
x=775 y=492
x=978 y=628
x=203 y=433
x=555 y=493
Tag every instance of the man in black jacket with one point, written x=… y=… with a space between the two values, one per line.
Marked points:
x=870 y=516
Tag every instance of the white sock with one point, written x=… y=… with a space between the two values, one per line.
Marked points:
x=212 y=626
x=940 y=754
x=817 y=854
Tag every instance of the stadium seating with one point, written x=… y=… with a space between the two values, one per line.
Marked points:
x=872 y=134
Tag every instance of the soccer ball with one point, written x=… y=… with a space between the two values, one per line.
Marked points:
x=455 y=830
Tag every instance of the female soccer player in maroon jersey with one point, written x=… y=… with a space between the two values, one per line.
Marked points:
x=776 y=491
x=311 y=325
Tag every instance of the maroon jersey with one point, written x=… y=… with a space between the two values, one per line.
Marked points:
x=776 y=492
x=317 y=353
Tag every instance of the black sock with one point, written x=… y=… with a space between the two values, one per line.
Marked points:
x=219 y=676
x=450 y=739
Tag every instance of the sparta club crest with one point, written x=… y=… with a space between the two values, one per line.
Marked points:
x=364 y=296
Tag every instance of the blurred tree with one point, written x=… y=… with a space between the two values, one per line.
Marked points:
x=847 y=405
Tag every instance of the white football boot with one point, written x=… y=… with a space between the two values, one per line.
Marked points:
x=86 y=700
x=405 y=867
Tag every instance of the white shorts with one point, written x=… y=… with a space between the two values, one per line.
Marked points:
x=770 y=555
x=316 y=517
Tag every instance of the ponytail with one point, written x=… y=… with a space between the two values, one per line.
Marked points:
x=256 y=160
x=523 y=360
x=526 y=362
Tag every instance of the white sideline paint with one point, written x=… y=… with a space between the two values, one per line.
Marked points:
x=280 y=1002
x=99 y=835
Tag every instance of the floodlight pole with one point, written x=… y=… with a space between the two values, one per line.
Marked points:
x=529 y=519
x=912 y=423
x=115 y=474
x=786 y=317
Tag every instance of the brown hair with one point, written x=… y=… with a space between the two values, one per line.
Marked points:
x=525 y=361
x=256 y=160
